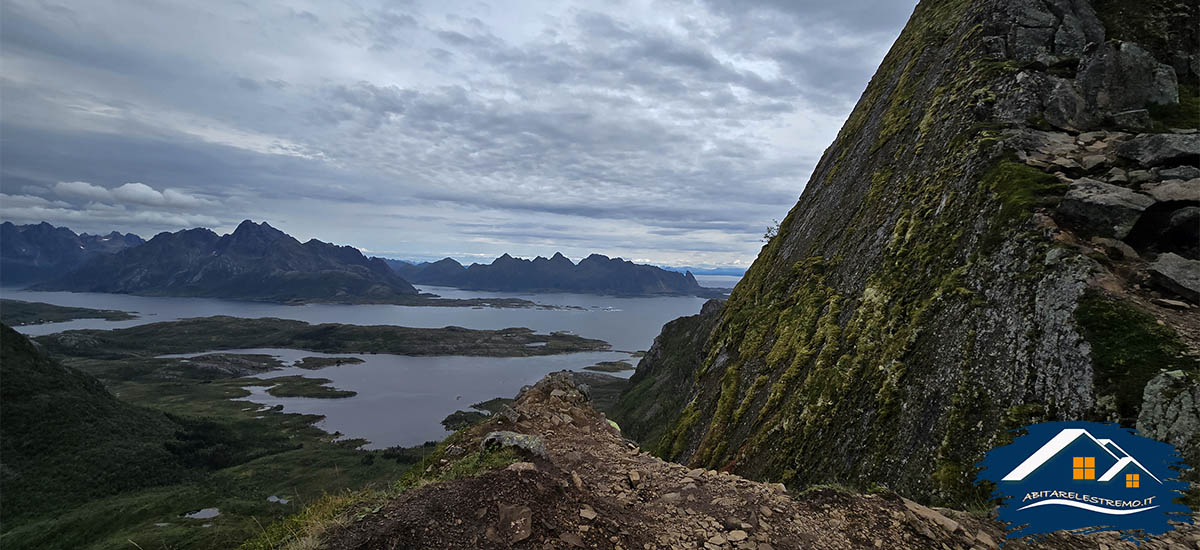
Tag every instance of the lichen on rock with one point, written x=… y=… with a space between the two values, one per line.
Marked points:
x=924 y=295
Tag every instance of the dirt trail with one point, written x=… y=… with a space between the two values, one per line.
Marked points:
x=594 y=489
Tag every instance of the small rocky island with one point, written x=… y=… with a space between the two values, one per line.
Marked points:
x=18 y=313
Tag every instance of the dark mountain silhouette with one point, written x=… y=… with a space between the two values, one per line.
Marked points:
x=593 y=274
x=30 y=253
x=255 y=262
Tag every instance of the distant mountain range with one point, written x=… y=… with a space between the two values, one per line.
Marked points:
x=594 y=274
x=726 y=271
x=255 y=262
x=38 y=252
x=261 y=263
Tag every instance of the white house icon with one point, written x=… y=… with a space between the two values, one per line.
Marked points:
x=1065 y=438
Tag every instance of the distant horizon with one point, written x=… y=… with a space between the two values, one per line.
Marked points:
x=666 y=133
x=416 y=259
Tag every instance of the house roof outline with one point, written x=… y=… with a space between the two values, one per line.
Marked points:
x=1061 y=441
x=1121 y=465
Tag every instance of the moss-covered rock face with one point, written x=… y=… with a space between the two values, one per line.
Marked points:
x=660 y=387
x=920 y=300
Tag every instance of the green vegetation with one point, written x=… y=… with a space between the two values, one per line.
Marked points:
x=610 y=366
x=306 y=528
x=1186 y=114
x=646 y=409
x=301 y=386
x=84 y=469
x=1128 y=349
x=1021 y=188
x=17 y=313
x=856 y=330
x=314 y=363
x=458 y=420
x=221 y=332
x=494 y=405
x=1161 y=26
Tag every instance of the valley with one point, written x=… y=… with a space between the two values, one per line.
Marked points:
x=355 y=404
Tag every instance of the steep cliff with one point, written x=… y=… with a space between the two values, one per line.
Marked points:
x=1003 y=232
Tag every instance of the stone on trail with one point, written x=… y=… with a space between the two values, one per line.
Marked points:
x=1177 y=274
x=530 y=443
x=1102 y=209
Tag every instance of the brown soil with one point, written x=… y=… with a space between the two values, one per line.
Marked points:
x=596 y=489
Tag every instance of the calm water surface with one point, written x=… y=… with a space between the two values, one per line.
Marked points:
x=627 y=323
x=401 y=400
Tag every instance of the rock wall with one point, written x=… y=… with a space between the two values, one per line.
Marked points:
x=983 y=246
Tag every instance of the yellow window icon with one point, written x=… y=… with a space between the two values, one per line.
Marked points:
x=1083 y=467
x=1133 y=481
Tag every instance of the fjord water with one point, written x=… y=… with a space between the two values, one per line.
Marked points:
x=628 y=323
x=401 y=400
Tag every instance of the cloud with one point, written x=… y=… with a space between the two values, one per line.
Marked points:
x=672 y=129
x=96 y=216
x=82 y=189
x=131 y=193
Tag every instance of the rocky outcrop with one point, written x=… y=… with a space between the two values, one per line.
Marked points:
x=531 y=444
x=1171 y=412
x=972 y=254
x=1159 y=149
x=594 y=489
x=1120 y=76
x=1177 y=274
x=1102 y=209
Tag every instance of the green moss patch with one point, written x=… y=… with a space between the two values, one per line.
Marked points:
x=1129 y=348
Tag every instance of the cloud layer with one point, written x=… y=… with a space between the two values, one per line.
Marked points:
x=662 y=130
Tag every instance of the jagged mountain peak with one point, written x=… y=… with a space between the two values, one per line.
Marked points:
x=256 y=262
x=594 y=274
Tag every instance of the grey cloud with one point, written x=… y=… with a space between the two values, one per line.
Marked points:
x=435 y=127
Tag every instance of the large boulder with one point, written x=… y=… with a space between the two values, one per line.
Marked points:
x=531 y=444
x=1157 y=149
x=1177 y=274
x=1119 y=76
x=1063 y=105
x=1176 y=190
x=1096 y=208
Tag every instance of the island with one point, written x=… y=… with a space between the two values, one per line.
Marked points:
x=220 y=332
x=18 y=313
x=610 y=366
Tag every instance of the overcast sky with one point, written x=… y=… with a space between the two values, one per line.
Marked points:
x=665 y=131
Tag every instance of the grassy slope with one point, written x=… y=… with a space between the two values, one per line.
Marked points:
x=61 y=425
x=173 y=442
